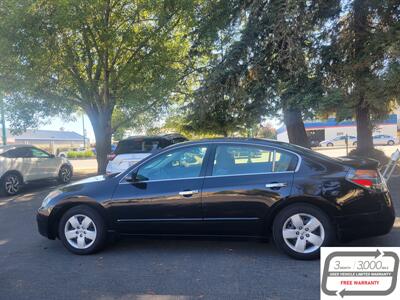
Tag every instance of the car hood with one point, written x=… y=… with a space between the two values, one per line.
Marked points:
x=87 y=182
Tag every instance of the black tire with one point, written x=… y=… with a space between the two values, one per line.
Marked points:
x=280 y=222
x=65 y=174
x=100 y=227
x=355 y=144
x=390 y=143
x=11 y=184
x=329 y=145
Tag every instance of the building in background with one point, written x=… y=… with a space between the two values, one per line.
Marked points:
x=319 y=130
x=50 y=140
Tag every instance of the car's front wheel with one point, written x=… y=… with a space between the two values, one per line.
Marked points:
x=390 y=143
x=301 y=230
x=65 y=174
x=82 y=230
x=11 y=184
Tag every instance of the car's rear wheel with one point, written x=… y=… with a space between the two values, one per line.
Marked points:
x=82 y=230
x=11 y=184
x=300 y=230
x=329 y=145
x=65 y=174
x=355 y=144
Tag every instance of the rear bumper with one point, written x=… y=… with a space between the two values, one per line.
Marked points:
x=366 y=224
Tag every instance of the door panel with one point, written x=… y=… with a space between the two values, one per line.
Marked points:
x=158 y=207
x=242 y=183
x=44 y=164
x=239 y=204
x=164 y=195
x=20 y=159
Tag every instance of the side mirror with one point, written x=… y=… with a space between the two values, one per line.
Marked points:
x=134 y=178
x=131 y=177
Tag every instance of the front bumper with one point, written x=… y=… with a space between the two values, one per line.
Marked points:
x=43 y=225
x=369 y=224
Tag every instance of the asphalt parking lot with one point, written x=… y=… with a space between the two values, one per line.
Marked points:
x=32 y=267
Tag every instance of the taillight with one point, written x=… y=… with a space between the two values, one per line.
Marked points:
x=370 y=179
x=111 y=156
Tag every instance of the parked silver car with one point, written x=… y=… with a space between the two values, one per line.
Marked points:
x=339 y=141
x=384 y=139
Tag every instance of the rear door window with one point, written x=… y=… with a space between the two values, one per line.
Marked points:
x=17 y=153
x=241 y=159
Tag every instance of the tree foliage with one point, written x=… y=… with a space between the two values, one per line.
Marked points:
x=98 y=55
x=361 y=64
x=269 y=65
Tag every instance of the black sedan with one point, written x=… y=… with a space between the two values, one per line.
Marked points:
x=226 y=187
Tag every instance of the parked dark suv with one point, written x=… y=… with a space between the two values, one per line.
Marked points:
x=226 y=187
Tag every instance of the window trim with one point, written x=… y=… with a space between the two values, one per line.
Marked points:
x=211 y=147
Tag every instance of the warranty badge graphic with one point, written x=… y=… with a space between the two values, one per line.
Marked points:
x=360 y=273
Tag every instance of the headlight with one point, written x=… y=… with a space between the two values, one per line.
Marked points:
x=50 y=196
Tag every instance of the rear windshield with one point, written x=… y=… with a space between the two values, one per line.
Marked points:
x=140 y=146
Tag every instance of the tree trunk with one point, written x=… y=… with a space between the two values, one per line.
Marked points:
x=295 y=127
x=101 y=122
x=361 y=69
x=364 y=130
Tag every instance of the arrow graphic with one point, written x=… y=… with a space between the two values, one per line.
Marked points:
x=374 y=254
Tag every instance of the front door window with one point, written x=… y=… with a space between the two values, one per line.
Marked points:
x=181 y=163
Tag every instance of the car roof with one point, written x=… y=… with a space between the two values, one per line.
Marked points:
x=13 y=146
x=261 y=142
x=255 y=141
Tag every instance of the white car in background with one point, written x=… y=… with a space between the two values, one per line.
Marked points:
x=384 y=139
x=134 y=149
x=339 y=141
x=20 y=164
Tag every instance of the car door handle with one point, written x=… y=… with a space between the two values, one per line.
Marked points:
x=188 y=193
x=276 y=185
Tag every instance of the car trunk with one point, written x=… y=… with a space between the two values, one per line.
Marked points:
x=360 y=163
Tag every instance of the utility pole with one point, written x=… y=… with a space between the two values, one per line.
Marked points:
x=3 y=121
x=84 y=130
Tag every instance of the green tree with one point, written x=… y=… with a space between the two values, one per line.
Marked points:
x=270 y=65
x=96 y=55
x=361 y=64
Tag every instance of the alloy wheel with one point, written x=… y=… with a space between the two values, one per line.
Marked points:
x=80 y=231
x=303 y=233
x=65 y=174
x=12 y=184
